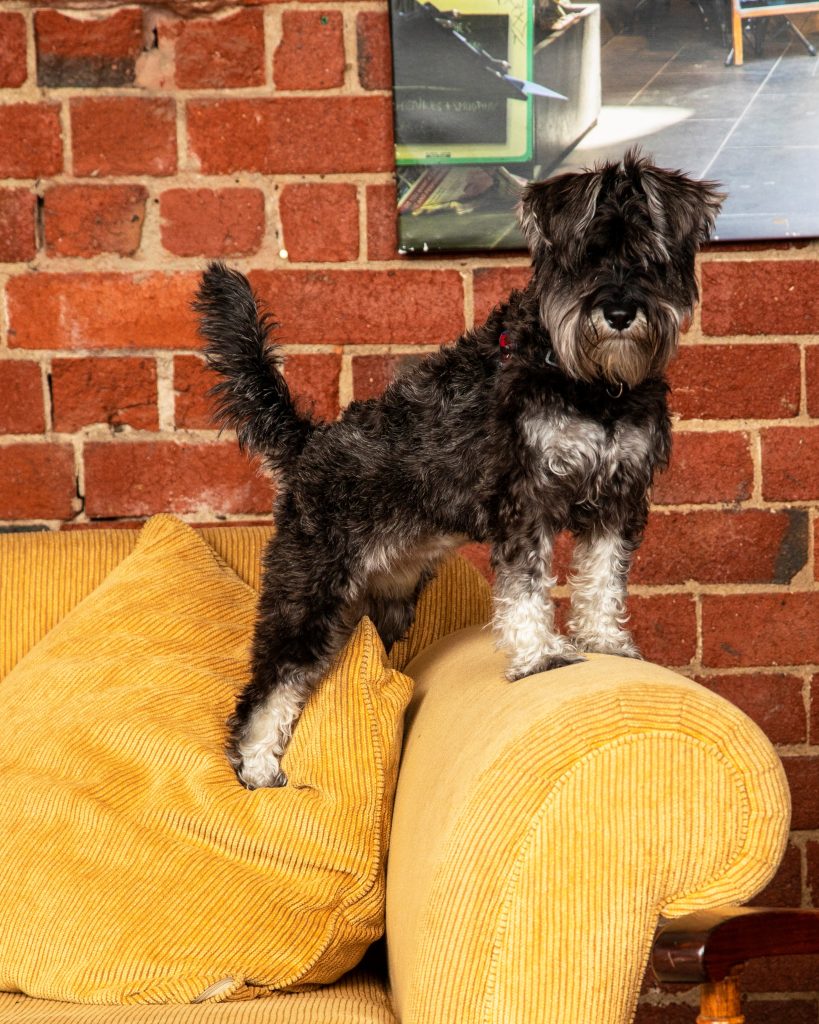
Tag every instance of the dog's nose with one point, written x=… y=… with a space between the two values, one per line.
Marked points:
x=619 y=315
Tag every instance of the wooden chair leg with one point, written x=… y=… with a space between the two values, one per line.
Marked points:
x=736 y=33
x=719 y=1002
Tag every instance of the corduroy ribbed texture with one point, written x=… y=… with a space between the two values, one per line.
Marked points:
x=560 y=817
x=540 y=827
x=44 y=575
x=355 y=999
x=134 y=867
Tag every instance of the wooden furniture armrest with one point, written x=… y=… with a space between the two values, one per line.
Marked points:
x=711 y=946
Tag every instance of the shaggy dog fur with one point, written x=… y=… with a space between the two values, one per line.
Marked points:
x=551 y=416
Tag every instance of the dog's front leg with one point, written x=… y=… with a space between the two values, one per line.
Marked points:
x=600 y=567
x=524 y=614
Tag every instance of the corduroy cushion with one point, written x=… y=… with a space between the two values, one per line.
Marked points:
x=44 y=575
x=133 y=867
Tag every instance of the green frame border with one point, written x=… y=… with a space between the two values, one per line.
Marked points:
x=499 y=158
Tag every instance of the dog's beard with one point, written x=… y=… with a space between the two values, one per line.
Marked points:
x=589 y=348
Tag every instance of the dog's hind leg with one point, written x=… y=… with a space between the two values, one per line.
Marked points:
x=391 y=604
x=304 y=619
x=524 y=615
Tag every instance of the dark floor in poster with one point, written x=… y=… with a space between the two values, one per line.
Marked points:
x=755 y=126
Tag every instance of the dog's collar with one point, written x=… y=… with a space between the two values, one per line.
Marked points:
x=507 y=348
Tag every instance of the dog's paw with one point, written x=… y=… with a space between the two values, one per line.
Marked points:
x=260 y=770
x=559 y=659
x=620 y=645
x=256 y=767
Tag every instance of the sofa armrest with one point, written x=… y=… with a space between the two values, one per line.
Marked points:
x=542 y=827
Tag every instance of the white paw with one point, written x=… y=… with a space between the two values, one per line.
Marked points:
x=260 y=769
x=619 y=643
x=556 y=654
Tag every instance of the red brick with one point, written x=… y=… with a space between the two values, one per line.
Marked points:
x=794 y=1010
x=219 y=53
x=107 y=310
x=812 y=375
x=562 y=554
x=812 y=858
x=313 y=379
x=374 y=51
x=814 y=720
x=142 y=478
x=816 y=550
x=311 y=52
x=706 y=468
x=803 y=780
x=17 y=234
x=665 y=627
x=790 y=463
x=785 y=889
x=760 y=629
x=340 y=307
x=13 y=71
x=748 y=546
x=371 y=374
x=292 y=135
x=32 y=140
x=382 y=222
x=86 y=220
x=192 y=380
x=760 y=297
x=780 y=974
x=119 y=392
x=39 y=481
x=764 y=381
x=123 y=135
x=667 y=1013
x=93 y=52
x=773 y=700
x=319 y=222
x=212 y=222
x=479 y=556
x=492 y=285
x=21 y=410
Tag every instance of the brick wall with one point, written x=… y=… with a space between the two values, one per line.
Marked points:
x=136 y=143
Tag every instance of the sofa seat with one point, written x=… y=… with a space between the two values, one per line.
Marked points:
x=358 y=998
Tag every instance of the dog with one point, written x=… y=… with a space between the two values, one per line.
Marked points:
x=550 y=416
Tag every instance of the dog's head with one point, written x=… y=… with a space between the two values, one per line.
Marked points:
x=613 y=252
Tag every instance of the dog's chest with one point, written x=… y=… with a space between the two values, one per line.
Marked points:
x=581 y=454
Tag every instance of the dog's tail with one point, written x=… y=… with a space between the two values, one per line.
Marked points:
x=253 y=397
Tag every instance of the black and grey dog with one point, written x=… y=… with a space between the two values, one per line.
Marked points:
x=551 y=416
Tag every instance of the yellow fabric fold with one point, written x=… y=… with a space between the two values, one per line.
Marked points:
x=135 y=867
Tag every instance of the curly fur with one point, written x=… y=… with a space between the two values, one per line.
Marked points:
x=564 y=434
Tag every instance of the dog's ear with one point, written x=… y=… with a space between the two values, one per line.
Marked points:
x=556 y=213
x=680 y=207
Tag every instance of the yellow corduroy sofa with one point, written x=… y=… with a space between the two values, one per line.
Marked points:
x=540 y=829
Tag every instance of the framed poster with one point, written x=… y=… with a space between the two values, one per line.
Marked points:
x=498 y=92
